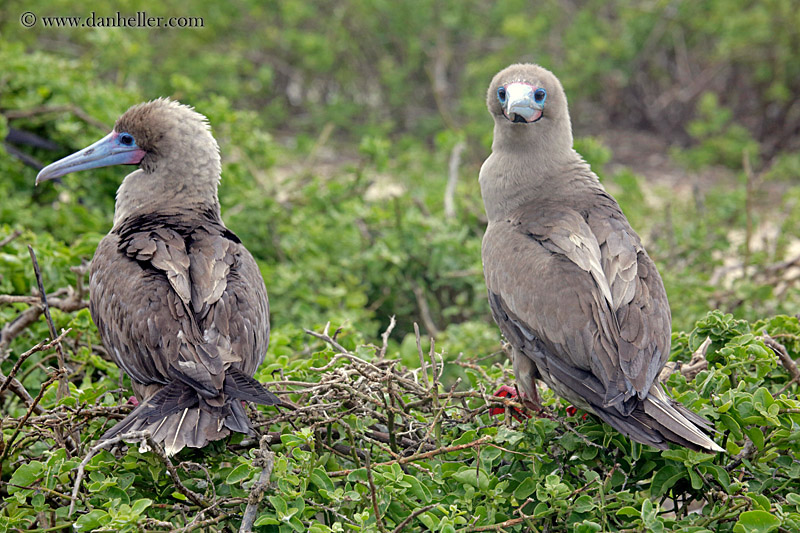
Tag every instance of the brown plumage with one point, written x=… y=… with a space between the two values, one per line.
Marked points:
x=179 y=301
x=570 y=284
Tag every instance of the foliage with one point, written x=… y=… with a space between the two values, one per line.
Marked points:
x=337 y=122
x=440 y=456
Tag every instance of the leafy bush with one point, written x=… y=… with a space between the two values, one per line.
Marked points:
x=337 y=123
x=373 y=438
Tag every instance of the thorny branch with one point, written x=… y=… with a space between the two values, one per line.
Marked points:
x=394 y=400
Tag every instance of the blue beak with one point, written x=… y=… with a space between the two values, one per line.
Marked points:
x=106 y=152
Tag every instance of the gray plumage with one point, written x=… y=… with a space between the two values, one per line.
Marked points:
x=179 y=302
x=570 y=284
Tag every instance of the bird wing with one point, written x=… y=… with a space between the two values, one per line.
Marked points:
x=587 y=300
x=179 y=299
x=640 y=302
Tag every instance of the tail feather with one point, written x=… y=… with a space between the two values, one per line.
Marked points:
x=656 y=420
x=662 y=409
x=177 y=416
x=240 y=385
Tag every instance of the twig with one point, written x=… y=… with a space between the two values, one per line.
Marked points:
x=195 y=498
x=412 y=516
x=385 y=337
x=786 y=360
x=435 y=425
x=452 y=179
x=26 y=159
x=424 y=309
x=423 y=365
x=327 y=338
x=373 y=496
x=498 y=527
x=134 y=435
x=267 y=459
x=14 y=385
x=747 y=450
x=75 y=110
x=418 y=456
x=42 y=346
x=697 y=364
x=780 y=350
x=204 y=523
x=27 y=415
x=750 y=183
x=10 y=237
x=12 y=329
x=63 y=388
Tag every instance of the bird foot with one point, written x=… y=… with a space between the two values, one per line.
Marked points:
x=572 y=410
x=133 y=401
x=508 y=392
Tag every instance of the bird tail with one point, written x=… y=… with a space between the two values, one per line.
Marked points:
x=677 y=423
x=658 y=420
x=177 y=417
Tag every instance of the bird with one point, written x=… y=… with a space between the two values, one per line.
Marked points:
x=179 y=302
x=569 y=282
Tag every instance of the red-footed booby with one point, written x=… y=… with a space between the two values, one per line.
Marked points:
x=570 y=284
x=179 y=301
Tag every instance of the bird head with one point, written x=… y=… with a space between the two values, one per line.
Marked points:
x=528 y=97
x=158 y=133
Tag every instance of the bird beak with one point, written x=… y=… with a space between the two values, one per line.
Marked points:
x=105 y=152
x=521 y=106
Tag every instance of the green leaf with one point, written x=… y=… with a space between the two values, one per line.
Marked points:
x=525 y=489
x=140 y=505
x=279 y=504
x=756 y=435
x=587 y=527
x=760 y=500
x=243 y=471
x=665 y=478
x=266 y=519
x=320 y=478
x=25 y=475
x=359 y=474
x=583 y=504
x=756 y=522
x=92 y=520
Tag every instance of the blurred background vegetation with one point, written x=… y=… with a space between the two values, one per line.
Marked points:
x=341 y=121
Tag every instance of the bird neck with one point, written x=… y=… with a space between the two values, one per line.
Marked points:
x=160 y=191
x=513 y=176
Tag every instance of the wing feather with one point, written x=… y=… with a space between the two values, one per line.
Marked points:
x=178 y=298
x=588 y=292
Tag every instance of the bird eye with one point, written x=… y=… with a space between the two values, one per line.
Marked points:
x=539 y=95
x=501 y=95
x=126 y=139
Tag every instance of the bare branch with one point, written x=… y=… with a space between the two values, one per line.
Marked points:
x=267 y=460
x=10 y=237
x=63 y=388
x=12 y=114
x=385 y=337
x=373 y=496
x=786 y=360
x=452 y=179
